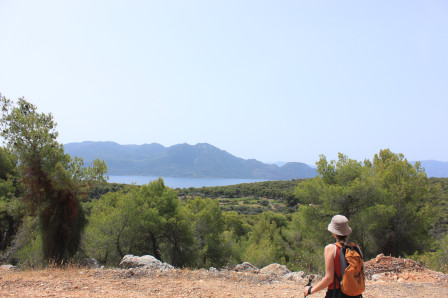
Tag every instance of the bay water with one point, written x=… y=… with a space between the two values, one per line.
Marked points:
x=181 y=182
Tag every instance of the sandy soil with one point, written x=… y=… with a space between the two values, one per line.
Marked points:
x=79 y=282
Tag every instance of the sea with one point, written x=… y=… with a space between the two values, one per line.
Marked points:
x=181 y=182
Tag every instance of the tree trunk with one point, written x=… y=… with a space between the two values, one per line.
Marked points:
x=155 y=248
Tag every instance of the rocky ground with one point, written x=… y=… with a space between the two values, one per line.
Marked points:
x=387 y=277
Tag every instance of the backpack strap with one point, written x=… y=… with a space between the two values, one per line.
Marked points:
x=342 y=262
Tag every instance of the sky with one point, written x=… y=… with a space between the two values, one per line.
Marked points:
x=269 y=80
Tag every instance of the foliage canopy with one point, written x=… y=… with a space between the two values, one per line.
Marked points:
x=52 y=181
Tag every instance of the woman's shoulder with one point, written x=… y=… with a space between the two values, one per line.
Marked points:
x=330 y=247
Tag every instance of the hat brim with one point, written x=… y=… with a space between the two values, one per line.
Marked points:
x=335 y=231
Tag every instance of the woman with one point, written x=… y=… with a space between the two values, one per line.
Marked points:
x=340 y=230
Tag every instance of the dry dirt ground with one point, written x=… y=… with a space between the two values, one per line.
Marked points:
x=387 y=277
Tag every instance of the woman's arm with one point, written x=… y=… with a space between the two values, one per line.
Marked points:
x=329 y=271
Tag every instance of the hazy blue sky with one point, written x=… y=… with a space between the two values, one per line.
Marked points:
x=270 y=80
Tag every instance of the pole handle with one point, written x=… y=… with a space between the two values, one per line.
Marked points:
x=308 y=285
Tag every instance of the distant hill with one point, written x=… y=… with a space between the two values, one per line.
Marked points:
x=434 y=168
x=183 y=160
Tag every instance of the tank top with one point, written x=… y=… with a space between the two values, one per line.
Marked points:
x=337 y=268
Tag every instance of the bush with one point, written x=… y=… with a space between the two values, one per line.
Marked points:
x=436 y=260
x=264 y=203
x=26 y=250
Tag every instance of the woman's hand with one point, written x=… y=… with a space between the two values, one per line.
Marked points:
x=305 y=292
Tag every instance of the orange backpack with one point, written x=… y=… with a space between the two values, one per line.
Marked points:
x=352 y=279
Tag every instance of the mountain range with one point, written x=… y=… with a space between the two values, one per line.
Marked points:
x=201 y=160
x=435 y=168
x=183 y=160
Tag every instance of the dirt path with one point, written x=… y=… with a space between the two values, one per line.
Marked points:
x=75 y=282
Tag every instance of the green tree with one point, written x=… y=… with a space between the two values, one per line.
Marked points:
x=160 y=221
x=234 y=223
x=266 y=244
x=109 y=233
x=139 y=221
x=385 y=199
x=208 y=227
x=10 y=211
x=53 y=182
x=306 y=238
x=407 y=192
x=235 y=235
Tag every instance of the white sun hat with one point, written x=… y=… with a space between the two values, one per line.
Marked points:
x=339 y=226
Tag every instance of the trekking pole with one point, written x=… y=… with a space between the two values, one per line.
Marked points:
x=310 y=280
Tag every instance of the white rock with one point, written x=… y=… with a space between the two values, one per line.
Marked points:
x=89 y=263
x=294 y=276
x=144 y=262
x=276 y=269
x=246 y=267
